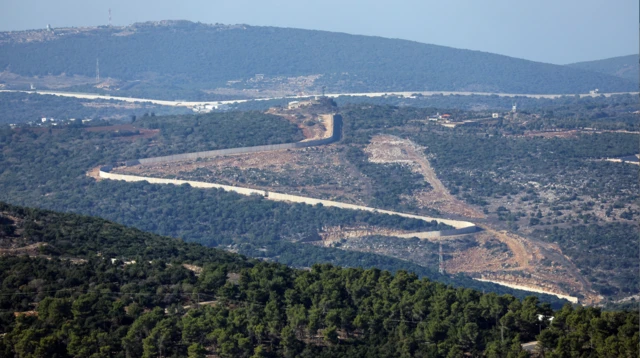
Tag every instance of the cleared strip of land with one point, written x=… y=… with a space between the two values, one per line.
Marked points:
x=332 y=95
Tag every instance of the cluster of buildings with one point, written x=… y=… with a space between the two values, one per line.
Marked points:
x=207 y=108
x=440 y=117
x=55 y=122
x=300 y=104
x=48 y=122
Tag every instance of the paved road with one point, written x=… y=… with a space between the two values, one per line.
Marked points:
x=191 y=104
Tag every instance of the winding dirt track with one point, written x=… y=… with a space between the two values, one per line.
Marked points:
x=391 y=149
x=527 y=254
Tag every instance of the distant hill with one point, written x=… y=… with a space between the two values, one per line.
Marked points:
x=624 y=67
x=180 y=59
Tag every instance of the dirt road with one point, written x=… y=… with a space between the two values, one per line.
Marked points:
x=391 y=149
x=527 y=263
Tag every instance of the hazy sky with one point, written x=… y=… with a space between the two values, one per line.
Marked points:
x=555 y=31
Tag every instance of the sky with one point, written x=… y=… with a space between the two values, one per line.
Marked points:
x=553 y=31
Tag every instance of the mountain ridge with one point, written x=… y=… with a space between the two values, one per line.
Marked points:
x=197 y=61
x=620 y=66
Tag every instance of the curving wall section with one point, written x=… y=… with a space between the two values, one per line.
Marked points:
x=334 y=136
x=460 y=227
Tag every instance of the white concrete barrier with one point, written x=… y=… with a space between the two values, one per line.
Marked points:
x=460 y=227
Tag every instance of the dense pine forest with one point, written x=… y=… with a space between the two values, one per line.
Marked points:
x=75 y=286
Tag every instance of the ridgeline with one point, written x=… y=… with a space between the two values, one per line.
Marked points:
x=181 y=59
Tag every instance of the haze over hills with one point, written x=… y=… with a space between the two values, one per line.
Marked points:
x=181 y=59
x=623 y=66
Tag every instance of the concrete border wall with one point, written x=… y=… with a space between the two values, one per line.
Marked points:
x=334 y=137
x=461 y=227
x=215 y=153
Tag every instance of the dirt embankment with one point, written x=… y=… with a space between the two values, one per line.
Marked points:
x=320 y=172
x=527 y=263
x=331 y=235
x=94 y=173
x=313 y=126
x=533 y=264
x=29 y=250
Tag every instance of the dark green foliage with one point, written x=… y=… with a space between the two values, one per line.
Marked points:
x=195 y=133
x=361 y=122
x=612 y=254
x=182 y=58
x=23 y=108
x=89 y=305
x=389 y=181
x=622 y=66
x=488 y=160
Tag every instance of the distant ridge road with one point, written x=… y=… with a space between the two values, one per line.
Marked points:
x=191 y=104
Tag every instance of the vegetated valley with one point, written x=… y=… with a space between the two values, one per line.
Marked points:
x=51 y=166
x=532 y=187
x=551 y=185
x=537 y=190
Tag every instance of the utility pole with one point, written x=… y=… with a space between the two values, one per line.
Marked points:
x=97 y=70
x=441 y=259
x=109 y=17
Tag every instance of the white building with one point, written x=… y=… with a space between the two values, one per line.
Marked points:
x=294 y=104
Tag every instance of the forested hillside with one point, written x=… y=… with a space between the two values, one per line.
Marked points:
x=80 y=286
x=19 y=108
x=46 y=168
x=538 y=174
x=179 y=59
x=623 y=67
